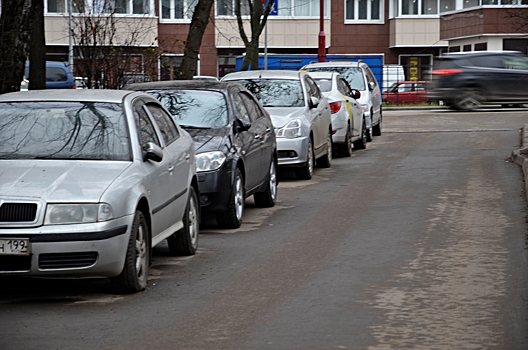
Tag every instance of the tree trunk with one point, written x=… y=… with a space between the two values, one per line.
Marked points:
x=199 y=22
x=14 y=43
x=252 y=56
x=37 y=48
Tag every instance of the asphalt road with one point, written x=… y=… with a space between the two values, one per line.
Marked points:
x=417 y=242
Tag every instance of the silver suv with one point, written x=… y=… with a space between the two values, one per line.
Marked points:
x=360 y=77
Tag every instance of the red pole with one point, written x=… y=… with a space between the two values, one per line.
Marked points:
x=321 y=51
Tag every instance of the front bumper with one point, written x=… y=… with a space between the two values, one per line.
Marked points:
x=292 y=152
x=82 y=250
x=215 y=188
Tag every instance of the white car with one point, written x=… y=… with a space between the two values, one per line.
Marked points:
x=359 y=76
x=300 y=115
x=348 y=120
x=90 y=181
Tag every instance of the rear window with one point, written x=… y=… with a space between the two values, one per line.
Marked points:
x=276 y=92
x=353 y=75
x=52 y=74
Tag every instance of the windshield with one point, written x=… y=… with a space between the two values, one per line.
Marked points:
x=353 y=75
x=276 y=92
x=63 y=130
x=194 y=108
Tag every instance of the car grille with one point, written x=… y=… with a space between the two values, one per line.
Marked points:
x=66 y=260
x=18 y=212
x=12 y=263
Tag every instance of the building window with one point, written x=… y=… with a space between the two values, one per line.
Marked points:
x=470 y=3
x=170 y=67
x=481 y=47
x=454 y=49
x=129 y=7
x=466 y=48
x=227 y=8
x=363 y=10
x=177 y=9
x=447 y=5
x=300 y=8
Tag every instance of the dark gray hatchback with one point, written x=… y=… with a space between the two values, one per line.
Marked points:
x=236 y=150
x=464 y=81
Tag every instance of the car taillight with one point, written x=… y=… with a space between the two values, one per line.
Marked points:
x=335 y=106
x=444 y=72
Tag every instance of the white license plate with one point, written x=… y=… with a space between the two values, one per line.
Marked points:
x=14 y=246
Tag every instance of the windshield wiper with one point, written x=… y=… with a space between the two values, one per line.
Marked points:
x=194 y=127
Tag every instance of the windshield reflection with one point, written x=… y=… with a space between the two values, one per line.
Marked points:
x=275 y=92
x=194 y=108
x=353 y=75
x=63 y=130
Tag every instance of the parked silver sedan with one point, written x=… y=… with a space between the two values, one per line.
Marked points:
x=300 y=115
x=348 y=120
x=90 y=181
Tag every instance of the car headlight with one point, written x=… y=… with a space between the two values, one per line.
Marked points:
x=60 y=214
x=208 y=161
x=290 y=130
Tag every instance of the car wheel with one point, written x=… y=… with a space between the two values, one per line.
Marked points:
x=306 y=172
x=326 y=160
x=133 y=278
x=232 y=217
x=468 y=100
x=185 y=241
x=362 y=142
x=376 y=130
x=349 y=145
x=267 y=198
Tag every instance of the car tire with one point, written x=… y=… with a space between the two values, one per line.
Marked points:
x=185 y=241
x=362 y=142
x=306 y=171
x=232 y=217
x=326 y=160
x=267 y=198
x=376 y=129
x=347 y=148
x=133 y=277
x=468 y=100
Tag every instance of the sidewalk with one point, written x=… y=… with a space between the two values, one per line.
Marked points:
x=520 y=156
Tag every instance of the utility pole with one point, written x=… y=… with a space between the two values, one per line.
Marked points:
x=321 y=52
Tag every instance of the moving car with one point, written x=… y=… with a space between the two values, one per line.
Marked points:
x=90 y=181
x=407 y=92
x=300 y=114
x=348 y=122
x=465 y=81
x=234 y=140
x=359 y=77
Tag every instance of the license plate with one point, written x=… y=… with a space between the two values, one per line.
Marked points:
x=14 y=246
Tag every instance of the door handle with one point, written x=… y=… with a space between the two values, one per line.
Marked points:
x=268 y=129
x=257 y=136
x=171 y=169
x=187 y=156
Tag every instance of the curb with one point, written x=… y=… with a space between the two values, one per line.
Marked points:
x=520 y=156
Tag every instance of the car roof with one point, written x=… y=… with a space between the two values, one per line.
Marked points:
x=74 y=95
x=197 y=84
x=455 y=55
x=264 y=74
x=334 y=64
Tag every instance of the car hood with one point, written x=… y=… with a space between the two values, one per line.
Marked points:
x=282 y=115
x=58 y=180
x=208 y=140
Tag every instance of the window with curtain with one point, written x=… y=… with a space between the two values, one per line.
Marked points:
x=177 y=9
x=363 y=10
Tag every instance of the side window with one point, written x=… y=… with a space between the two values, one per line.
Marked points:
x=313 y=90
x=516 y=63
x=147 y=133
x=343 y=87
x=242 y=112
x=165 y=123
x=370 y=76
x=252 y=107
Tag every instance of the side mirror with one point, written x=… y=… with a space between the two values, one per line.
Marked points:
x=153 y=152
x=242 y=125
x=314 y=102
x=356 y=94
x=371 y=85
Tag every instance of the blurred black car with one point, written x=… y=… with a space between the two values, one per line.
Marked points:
x=236 y=151
x=464 y=81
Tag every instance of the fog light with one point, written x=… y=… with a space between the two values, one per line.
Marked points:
x=292 y=154
x=203 y=199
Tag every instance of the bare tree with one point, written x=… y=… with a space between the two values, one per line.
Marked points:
x=199 y=22
x=37 y=47
x=517 y=17
x=258 y=15
x=15 y=22
x=107 y=48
